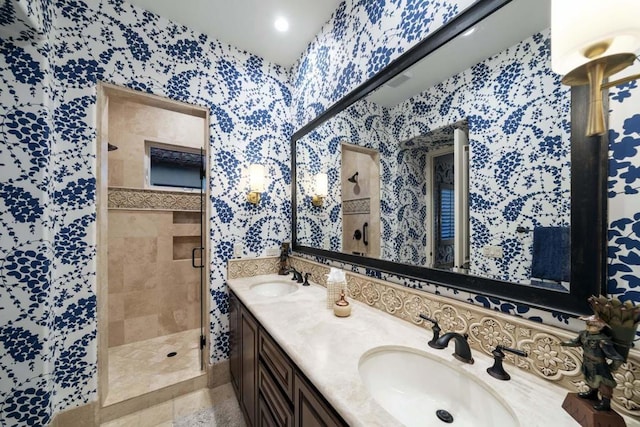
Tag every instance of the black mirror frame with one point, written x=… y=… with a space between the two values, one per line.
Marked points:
x=588 y=194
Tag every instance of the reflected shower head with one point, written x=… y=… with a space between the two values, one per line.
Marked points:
x=353 y=178
x=111 y=147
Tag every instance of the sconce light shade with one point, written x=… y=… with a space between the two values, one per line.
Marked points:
x=584 y=30
x=256 y=183
x=590 y=41
x=322 y=188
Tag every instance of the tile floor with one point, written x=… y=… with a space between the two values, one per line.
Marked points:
x=141 y=367
x=216 y=407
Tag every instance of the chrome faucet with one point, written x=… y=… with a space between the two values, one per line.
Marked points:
x=462 y=350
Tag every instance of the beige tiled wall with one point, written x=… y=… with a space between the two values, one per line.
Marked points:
x=150 y=292
x=131 y=124
x=153 y=289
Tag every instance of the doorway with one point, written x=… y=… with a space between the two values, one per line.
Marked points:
x=360 y=190
x=152 y=246
x=447 y=199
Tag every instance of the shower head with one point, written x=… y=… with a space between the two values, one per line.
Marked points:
x=353 y=178
x=111 y=147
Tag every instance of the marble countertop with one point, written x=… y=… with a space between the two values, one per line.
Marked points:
x=327 y=349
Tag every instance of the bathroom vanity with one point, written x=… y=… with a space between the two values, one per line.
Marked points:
x=271 y=389
x=294 y=363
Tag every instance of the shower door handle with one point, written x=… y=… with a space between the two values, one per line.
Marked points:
x=364 y=234
x=193 y=258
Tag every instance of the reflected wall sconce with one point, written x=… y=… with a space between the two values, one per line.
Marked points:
x=256 y=183
x=322 y=188
x=353 y=178
x=590 y=41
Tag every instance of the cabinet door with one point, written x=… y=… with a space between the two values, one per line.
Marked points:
x=265 y=419
x=274 y=399
x=249 y=365
x=234 y=342
x=310 y=408
x=277 y=363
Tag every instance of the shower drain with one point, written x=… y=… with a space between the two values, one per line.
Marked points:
x=173 y=353
x=444 y=416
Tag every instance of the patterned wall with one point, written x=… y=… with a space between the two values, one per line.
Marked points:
x=51 y=55
x=624 y=184
x=361 y=38
x=363 y=35
x=518 y=117
x=47 y=193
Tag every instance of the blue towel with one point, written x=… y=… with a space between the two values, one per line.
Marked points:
x=551 y=253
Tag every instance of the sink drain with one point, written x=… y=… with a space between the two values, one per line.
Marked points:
x=444 y=416
x=173 y=353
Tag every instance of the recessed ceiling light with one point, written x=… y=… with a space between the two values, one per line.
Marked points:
x=469 y=32
x=281 y=24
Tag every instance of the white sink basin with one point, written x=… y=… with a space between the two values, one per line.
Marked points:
x=413 y=385
x=274 y=289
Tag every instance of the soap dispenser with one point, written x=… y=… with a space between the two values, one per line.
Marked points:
x=342 y=308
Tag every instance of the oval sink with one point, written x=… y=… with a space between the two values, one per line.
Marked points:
x=274 y=289
x=421 y=390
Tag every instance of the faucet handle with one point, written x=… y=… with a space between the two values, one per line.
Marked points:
x=435 y=328
x=497 y=370
x=306 y=279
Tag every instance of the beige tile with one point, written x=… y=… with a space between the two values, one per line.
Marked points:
x=173 y=321
x=84 y=415
x=116 y=333
x=126 y=421
x=156 y=415
x=192 y=402
x=116 y=307
x=183 y=247
x=131 y=224
x=165 y=248
x=193 y=292
x=141 y=303
x=116 y=172
x=143 y=250
x=115 y=265
x=139 y=276
x=140 y=328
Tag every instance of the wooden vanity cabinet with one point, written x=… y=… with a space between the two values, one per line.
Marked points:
x=234 y=342
x=243 y=357
x=271 y=390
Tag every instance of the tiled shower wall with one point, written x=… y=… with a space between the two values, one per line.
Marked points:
x=153 y=290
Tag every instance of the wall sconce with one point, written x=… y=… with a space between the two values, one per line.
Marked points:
x=590 y=41
x=256 y=183
x=322 y=188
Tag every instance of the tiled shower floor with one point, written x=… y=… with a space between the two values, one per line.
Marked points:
x=141 y=367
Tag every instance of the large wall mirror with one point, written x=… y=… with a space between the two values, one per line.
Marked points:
x=463 y=163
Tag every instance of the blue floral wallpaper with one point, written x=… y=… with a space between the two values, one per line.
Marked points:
x=319 y=80
x=52 y=54
x=517 y=113
x=362 y=37
x=624 y=187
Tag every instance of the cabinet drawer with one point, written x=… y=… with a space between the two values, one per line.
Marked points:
x=277 y=363
x=274 y=399
x=311 y=410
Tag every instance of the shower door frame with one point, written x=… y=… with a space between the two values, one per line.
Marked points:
x=104 y=92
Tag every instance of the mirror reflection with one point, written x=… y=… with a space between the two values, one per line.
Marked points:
x=460 y=162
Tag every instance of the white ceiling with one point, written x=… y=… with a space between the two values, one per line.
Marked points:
x=248 y=24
